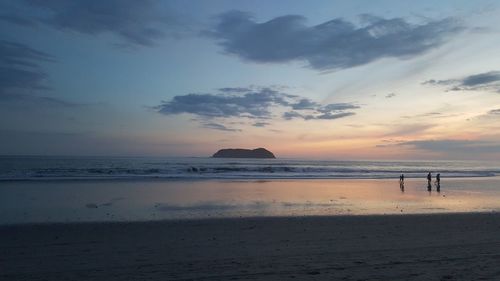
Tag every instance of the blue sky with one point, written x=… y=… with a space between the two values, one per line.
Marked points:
x=329 y=79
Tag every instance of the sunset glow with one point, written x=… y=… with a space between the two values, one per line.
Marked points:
x=336 y=80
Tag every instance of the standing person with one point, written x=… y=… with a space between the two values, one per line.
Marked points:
x=402 y=182
x=429 y=178
x=438 y=182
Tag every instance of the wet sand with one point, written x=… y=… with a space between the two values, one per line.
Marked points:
x=144 y=200
x=390 y=247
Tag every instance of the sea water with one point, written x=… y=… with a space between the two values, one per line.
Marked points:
x=82 y=168
x=80 y=189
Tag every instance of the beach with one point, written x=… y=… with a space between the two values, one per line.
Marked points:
x=249 y=140
x=382 y=247
x=249 y=227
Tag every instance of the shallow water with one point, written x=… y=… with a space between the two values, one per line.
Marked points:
x=132 y=200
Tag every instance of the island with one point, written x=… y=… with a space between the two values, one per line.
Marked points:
x=243 y=153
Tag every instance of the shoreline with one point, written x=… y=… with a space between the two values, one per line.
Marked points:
x=367 y=247
x=223 y=179
x=242 y=218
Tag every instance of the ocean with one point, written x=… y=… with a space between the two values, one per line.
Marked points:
x=13 y=168
x=83 y=189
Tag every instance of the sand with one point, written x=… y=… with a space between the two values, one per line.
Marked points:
x=395 y=247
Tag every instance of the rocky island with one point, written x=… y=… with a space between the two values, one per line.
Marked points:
x=243 y=153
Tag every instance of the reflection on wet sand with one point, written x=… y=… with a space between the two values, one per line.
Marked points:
x=160 y=199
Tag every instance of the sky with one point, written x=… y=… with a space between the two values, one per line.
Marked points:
x=305 y=79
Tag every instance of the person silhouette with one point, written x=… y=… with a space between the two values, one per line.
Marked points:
x=429 y=178
x=438 y=182
x=402 y=182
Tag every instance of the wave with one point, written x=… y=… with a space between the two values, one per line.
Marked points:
x=239 y=170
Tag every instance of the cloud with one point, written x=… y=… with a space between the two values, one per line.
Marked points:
x=331 y=116
x=304 y=104
x=39 y=101
x=432 y=114
x=494 y=112
x=20 y=69
x=481 y=79
x=400 y=130
x=251 y=103
x=454 y=146
x=139 y=23
x=219 y=127
x=337 y=107
x=292 y=114
x=22 y=77
x=390 y=95
x=486 y=81
x=335 y=44
x=232 y=90
x=260 y=124
x=325 y=116
x=326 y=112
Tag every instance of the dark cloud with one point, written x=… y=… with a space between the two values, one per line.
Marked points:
x=22 y=77
x=334 y=44
x=20 y=69
x=251 y=103
x=220 y=127
x=139 y=23
x=390 y=95
x=292 y=114
x=487 y=81
x=19 y=55
x=304 y=104
x=481 y=79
